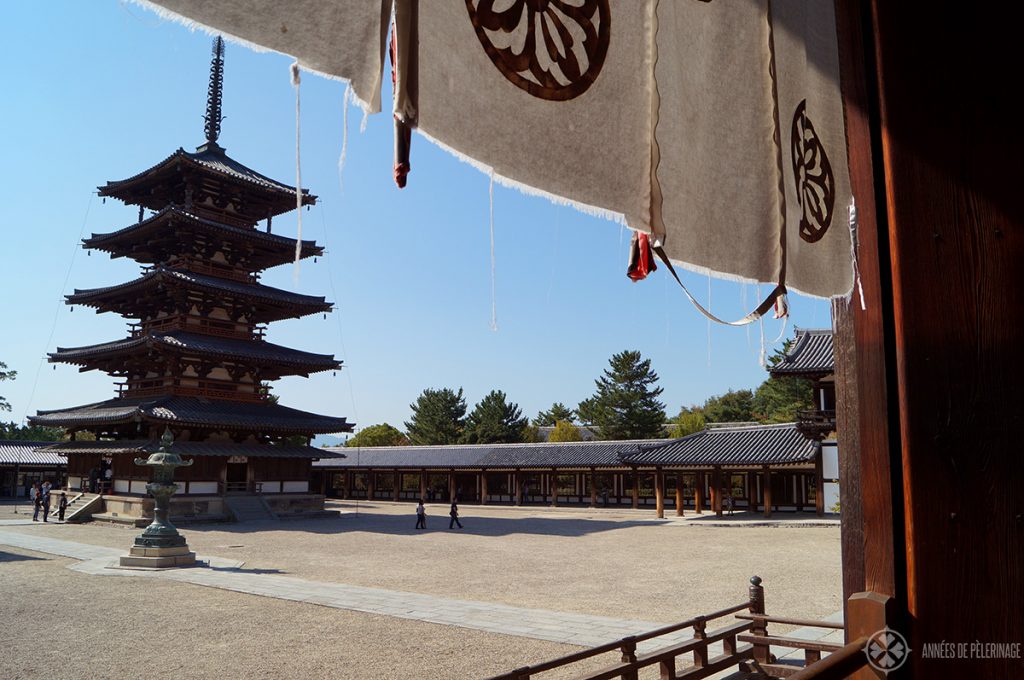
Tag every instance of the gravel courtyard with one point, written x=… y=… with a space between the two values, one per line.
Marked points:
x=616 y=563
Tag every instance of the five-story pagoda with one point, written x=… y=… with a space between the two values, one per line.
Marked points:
x=196 y=360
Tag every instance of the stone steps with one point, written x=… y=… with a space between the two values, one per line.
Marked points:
x=248 y=509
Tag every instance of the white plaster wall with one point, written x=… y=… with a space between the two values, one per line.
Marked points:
x=202 y=488
x=138 y=486
x=295 y=487
x=830 y=460
x=121 y=486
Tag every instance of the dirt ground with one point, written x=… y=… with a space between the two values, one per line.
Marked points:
x=622 y=564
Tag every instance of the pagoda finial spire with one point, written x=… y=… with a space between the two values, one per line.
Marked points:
x=214 y=92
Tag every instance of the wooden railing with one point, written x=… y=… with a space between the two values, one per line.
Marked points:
x=208 y=392
x=196 y=324
x=665 y=658
x=816 y=424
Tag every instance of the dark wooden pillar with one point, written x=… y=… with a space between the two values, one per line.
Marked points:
x=698 y=493
x=483 y=487
x=636 y=489
x=766 y=485
x=819 y=484
x=423 y=485
x=518 y=483
x=716 y=490
x=593 y=488
x=659 y=493
x=371 y=483
x=680 y=501
x=553 y=487
x=347 y=488
x=396 y=487
x=752 y=491
x=451 y=486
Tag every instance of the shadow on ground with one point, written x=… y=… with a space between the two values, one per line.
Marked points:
x=12 y=557
x=369 y=521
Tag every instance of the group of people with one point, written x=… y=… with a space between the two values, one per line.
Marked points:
x=40 y=498
x=453 y=513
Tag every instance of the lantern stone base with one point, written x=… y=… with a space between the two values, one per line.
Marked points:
x=159 y=558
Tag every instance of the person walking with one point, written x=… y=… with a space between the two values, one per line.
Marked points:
x=421 y=516
x=45 y=493
x=62 y=506
x=36 y=500
x=454 y=514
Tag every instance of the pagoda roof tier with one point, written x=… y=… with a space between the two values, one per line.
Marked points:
x=196 y=412
x=173 y=231
x=280 y=360
x=212 y=174
x=223 y=449
x=270 y=304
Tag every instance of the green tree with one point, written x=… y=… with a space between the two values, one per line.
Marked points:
x=438 y=417
x=625 y=405
x=690 y=419
x=379 y=435
x=565 y=432
x=32 y=433
x=558 y=411
x=735 y=406
x=6 y=375
x=777 y=400
x=495 y=421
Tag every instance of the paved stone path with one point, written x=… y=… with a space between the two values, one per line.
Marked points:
x=563 y=627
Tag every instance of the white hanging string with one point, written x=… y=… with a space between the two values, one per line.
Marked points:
x=853 y=252
x=56 y=313
x=494 y=295
x=762 y=358
x=344 y=139
x=296 y=80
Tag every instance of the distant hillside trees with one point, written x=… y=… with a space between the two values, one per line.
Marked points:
x=379 y=435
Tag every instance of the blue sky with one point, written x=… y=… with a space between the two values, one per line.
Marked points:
x=102 y=90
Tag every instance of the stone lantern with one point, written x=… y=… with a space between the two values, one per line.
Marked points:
x=160 y=545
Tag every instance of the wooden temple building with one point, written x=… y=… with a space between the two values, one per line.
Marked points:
x=762 y=468
x=195 y=359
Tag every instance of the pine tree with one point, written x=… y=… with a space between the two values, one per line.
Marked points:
x=438 y=417
x=625 y=405
x=557 y=412
x=495 y=421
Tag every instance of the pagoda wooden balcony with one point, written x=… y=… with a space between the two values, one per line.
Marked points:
x=816 y=424
x=195 y=324
x=208 y=391
x=209 y=269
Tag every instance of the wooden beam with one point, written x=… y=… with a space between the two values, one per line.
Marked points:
x=451 y=486
x=483 y=487
x=371 y=479
x=423 y=485
x=659 y=493
x=698 y=493
x=752 y=491
x=518 y=483
x=593 y=488
x=636 y=489
x=766 y=485
x=396 y=486
x=553 y=487
x=680 y=501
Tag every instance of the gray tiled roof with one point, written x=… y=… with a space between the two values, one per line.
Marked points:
x=542 y=455
x=181 y=342
x=810 y=355
x=158 y=221
x=29 y=453
x=196 y=411
x=748 y=445
x=194 y=449
x=215 y=284
x=211 y=157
